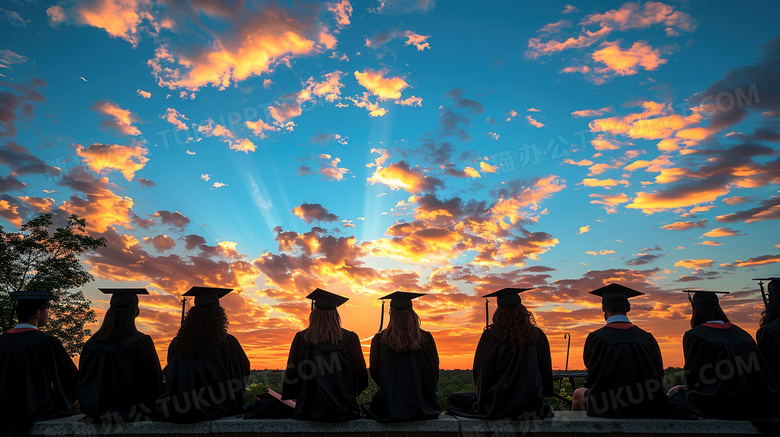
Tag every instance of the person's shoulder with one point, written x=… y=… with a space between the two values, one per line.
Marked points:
x=773 y=327
x=350 y=335
x=599 y=332
x=26 y=339
x=426 y=335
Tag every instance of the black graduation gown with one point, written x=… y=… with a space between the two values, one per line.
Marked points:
x=325 y=379
x=119 y=381
x=204 y=387
x=511 y=383
x=768 y=338
x=37 y=380
x=726 y=374
x=407 y=382
x=625 y=373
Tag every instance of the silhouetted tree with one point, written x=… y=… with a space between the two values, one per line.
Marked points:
x=36 y=259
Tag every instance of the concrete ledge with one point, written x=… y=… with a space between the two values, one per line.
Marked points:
x=565 y=423
x=577 y=422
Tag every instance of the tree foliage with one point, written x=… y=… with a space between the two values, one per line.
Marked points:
x=35 y=258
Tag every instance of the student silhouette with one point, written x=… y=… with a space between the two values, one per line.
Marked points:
x=404 y=363
x=726 y=375
x=119 y=372
x=512 y=366
x=37 y=377
x=624 y=362
x=326 y=370
x=207 y=369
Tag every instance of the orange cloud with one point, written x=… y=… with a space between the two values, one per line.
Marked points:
x=593 y=182
x=342 y=11
x=373 y=108
x=419 y=41
x=484 y=167
x=655 y=202
x=401 y=176
x=102 y=208
x=629 y=16
x=624 y=62
x=379 y=85
x=711 y=243
x=581 y=163
x=600 y=252
x=533 y=122
x=243 y=145
x=126 y=159
x=175 y=118
x=38 y=204
x=472 y=173
x=260 y=39
x=649 y=124
x=758 y=261
x=694 y=264
x=257 y=127
x=722 y=232
x=329 y=89
x=584 y=229
x=10 y=212
x=636 y=16
x=684 y=226
x=330 y=168
x=122 y=118
x=119 y=18
x=600 y=168
x=537 y=47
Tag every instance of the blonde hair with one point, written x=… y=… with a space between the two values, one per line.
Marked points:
x=324 y=326
x=403 y=333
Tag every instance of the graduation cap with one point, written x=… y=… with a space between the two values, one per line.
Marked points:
x=615 y=292
x=704 y=296
x=32 y=295
x=325 y=300
x=506 y=298
x=765 y=294
x=399 y=300
x=207 y=296
x=123 y=297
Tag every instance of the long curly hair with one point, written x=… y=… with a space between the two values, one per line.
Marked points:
x=772 y=311
x=324 y=326
x=403 y=332
x=203 y=332
x=513 y=326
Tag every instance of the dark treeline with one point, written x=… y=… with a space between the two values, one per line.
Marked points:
x=450 y=381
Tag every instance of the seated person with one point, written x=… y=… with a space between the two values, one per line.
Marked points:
x=512 y=366
x=625 y=367
x=404 y=364
x=768 y=335
x=326 y=370
x=726 y=375
x=120 y=375
x=207 y=369
x=38 y=376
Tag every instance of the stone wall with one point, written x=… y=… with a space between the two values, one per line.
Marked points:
x=565 y=423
